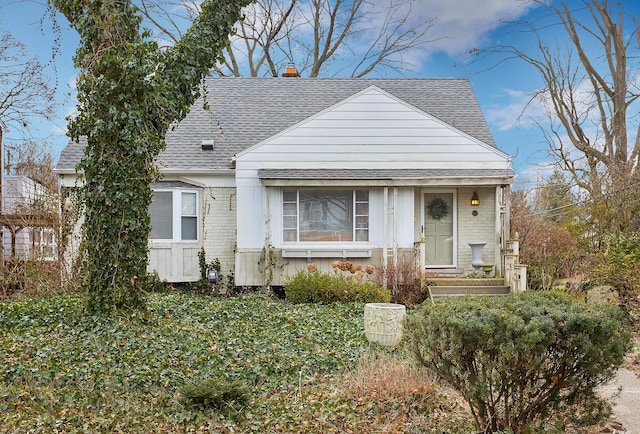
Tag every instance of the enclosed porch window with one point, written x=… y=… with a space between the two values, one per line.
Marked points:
x=324 y=215
x=174 y=215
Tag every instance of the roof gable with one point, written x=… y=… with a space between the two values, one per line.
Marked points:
x=372 y=128
x=362 y=116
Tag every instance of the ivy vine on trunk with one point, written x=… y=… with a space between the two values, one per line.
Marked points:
x=130 y=92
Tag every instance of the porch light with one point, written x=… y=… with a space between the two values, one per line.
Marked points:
x=475 y=200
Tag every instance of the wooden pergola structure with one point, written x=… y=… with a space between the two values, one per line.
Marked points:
x=17 y=222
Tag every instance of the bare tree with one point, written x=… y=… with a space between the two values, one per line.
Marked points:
x=322 y=37
x=25 y=90
x=590 y=93
x=33 y=159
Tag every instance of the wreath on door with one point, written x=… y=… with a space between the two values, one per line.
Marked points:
x=438 y=208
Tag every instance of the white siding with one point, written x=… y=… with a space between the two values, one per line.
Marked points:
x=251 y=218
x=372 y=130
x=175 y=262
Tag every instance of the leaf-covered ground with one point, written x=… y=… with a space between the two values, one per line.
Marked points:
x=309 y=369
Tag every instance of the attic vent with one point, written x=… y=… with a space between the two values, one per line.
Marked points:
x=207 y=145
x=291 y=71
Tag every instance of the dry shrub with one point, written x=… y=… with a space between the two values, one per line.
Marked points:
x=403 y=397
x=383 y=373
x=381 y=393
x=31 y=278
x=349 y=270
x=403 y=280
x=549 y=249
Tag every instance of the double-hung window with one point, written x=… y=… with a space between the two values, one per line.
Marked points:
x=174 y=215
x=325 y=215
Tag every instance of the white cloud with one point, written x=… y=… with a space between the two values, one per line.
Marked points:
x=465 y=24
x=456 y=27
x=521 y=109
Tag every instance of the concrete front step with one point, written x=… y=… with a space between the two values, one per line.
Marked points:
x=471 y=290
x=463 y=281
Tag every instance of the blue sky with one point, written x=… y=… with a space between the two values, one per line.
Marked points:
x=502 y=89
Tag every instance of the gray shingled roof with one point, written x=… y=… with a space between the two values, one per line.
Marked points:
x=246 y=111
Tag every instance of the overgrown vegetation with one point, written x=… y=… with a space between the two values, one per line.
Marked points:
x=130 y=92
x=549 y=249
x=404 y=280
x=308 y=368
x=525 y=364
x=34 y=277
x=268 y=263
x=203 y=286
x=619 y=266
x=314 y=286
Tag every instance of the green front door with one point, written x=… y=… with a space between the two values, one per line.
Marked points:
x=439 y=229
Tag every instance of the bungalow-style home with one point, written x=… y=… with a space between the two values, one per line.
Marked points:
x=289 y=171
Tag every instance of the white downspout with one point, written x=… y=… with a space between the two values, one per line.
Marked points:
x=267 y=224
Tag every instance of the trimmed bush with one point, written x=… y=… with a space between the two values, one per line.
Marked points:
x=522 y=363
x=317 y=287
x=216 y=394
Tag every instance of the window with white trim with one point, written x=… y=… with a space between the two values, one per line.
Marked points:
x=174 y=215
x=325 y=215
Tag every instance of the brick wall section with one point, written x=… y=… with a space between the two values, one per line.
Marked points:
x=219 y=226
x=480 y=228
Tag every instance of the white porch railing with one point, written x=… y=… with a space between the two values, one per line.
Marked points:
x=515 y=273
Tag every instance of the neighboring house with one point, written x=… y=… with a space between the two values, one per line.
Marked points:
x=27 y=222
x=314 y=170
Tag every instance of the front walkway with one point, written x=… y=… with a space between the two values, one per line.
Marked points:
x=626 y=403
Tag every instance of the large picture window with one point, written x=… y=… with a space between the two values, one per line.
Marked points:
x=325 y=215
x=174 y=215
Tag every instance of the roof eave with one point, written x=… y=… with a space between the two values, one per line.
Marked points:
x=397 y=182
x=210 y=172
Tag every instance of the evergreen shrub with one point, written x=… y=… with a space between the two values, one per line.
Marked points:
x=216 y=394
x=523 y=364
x=317 y=287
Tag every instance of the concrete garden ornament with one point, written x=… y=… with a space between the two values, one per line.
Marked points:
x=383 y=323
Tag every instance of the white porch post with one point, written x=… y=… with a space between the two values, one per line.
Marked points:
x=506 y=219
x=385 y=225
x=499 y=235
x=395 y=226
